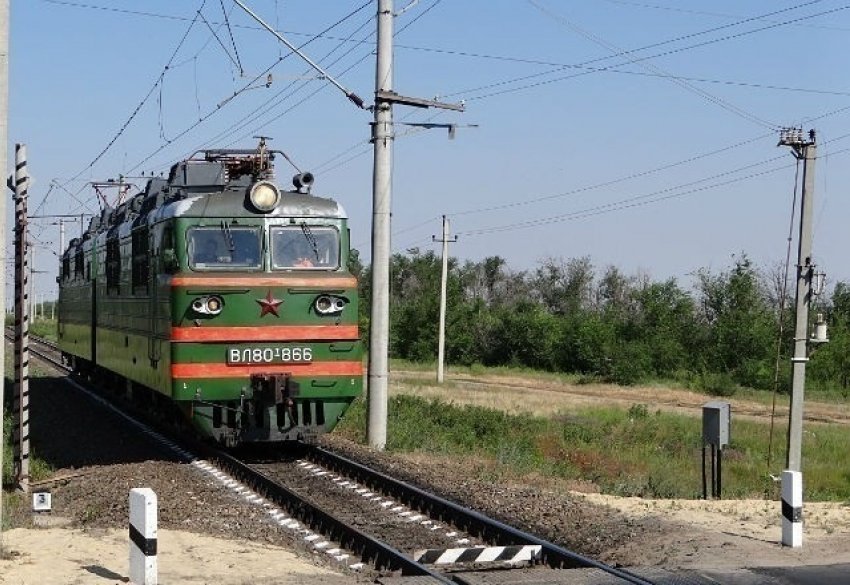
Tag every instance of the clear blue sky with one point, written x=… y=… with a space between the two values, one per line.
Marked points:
x=580 y=126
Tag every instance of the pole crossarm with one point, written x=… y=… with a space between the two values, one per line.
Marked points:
x=394 y=98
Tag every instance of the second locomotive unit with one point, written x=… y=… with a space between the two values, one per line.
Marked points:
x=220 y=297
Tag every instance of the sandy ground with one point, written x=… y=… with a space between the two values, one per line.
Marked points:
x=60 y=556
x=718 y=535
x=735 y=534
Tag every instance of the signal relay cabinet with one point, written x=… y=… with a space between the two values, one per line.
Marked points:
x=715 y=424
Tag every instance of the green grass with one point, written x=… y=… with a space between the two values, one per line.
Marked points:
x=45 y=328
x=630 y=452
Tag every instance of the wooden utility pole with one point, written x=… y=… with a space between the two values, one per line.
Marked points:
x=441 y=344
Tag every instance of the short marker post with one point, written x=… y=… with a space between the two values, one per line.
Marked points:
x=792 y=508
x=143 y=536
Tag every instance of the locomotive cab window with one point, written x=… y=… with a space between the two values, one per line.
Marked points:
x=303 y=247
x=224 y=247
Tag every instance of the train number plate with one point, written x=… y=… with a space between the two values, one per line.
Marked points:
x=269 y=355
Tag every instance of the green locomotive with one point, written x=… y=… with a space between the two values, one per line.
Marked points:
x=219 y=297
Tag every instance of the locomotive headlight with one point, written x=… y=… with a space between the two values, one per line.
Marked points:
x=208 y=305
x=329 y=305
x=264 y=195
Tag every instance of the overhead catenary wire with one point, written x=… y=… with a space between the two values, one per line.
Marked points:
x=591 y=69
x=232 y=40
x=233 y=59
x=218 y=108
x=269 y=104
x=147 y=96
x=714 y=14
x=619 y=52
x=468 y=91
x=588 y=69
x=273 y=102
x=351 y=66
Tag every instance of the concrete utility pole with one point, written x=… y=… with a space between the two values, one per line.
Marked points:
x=379 y=324
x=4 y=138
x=23 y=306
x=382 y=138
x=804 y=150
x=792 y=479
x=441 y=344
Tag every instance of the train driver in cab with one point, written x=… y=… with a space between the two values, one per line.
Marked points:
x=303 y=253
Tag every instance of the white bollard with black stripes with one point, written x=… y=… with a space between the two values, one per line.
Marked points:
x=143 y=518
x=792 y=508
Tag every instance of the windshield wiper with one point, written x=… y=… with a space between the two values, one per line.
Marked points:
x=228 y=236
x=310 y=238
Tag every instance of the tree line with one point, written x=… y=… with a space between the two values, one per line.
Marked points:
x=567 y=316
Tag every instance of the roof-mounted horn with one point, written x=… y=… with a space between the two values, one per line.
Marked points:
x=303 y=181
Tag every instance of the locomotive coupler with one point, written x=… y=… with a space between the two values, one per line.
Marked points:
x=277 y=390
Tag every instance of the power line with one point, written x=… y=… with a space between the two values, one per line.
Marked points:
x=617 y=51
x=590 y=69
x=148 y=95
x=268 y=105
x=468 y=91
x=344 y=71
x=639 y=200
x=218 y=108
x=615 y=181
x=271 y=103
x=716 y=14
x=232 y=41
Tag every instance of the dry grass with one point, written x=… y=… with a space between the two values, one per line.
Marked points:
x=549 y=397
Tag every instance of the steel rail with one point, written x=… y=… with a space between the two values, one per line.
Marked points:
x=372 y=551
x=493 y=531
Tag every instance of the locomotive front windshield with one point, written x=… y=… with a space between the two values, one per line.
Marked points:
x=224 y=247
x=303 y=246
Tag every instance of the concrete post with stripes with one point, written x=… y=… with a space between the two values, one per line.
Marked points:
x=22 y=319
x=792 y=508
x=143 y=536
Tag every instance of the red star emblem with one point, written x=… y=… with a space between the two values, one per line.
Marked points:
x=269 y=305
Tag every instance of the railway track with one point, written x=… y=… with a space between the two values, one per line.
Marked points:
x=463 y=541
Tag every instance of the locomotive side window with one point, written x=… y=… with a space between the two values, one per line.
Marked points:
x=224 y=247
x=113 y=266
x=78 y=262
x=297 y=247
x=140 y=260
